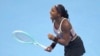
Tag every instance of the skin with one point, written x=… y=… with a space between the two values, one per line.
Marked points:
x=66 y=26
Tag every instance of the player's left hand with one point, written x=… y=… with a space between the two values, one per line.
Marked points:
x=51 y=36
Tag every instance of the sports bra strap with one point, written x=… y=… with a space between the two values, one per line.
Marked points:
x=61 y=24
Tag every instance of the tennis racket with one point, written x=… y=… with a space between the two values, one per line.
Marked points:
x=24 y=37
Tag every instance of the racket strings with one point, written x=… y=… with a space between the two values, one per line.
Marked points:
x=23 y=37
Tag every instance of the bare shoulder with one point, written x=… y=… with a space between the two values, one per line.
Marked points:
x=66 y=26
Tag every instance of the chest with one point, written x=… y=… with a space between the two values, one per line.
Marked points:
x=56 y=26
x=57 y=29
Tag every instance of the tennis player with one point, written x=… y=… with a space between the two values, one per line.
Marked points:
x=65 y=34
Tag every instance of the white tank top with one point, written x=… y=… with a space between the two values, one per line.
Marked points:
x=58 y=31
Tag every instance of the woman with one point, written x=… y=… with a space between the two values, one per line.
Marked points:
x=65 y=35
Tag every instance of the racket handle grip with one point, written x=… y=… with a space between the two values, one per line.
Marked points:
x=44 y=47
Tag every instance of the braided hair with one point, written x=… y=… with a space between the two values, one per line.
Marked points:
x=60 y=8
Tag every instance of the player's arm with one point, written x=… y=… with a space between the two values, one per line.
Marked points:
x=66 y=26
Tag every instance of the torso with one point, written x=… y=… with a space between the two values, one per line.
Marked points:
x=58 y=30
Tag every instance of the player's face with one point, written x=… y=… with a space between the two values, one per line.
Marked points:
x=53 y=13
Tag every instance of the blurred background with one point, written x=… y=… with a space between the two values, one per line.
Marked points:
x=33 y=17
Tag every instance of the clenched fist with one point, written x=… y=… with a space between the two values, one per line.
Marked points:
x=51 y=37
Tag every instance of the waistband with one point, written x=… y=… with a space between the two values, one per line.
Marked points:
x=74 y=37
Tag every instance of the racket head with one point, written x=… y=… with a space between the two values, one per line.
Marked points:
x=22 y=37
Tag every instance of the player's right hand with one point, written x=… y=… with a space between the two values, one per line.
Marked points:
x=49 y=49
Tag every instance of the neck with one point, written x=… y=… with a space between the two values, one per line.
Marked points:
x=58 y=20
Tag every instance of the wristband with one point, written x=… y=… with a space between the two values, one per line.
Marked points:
x=53 y=45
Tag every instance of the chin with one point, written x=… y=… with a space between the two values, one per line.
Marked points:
x=52 y=19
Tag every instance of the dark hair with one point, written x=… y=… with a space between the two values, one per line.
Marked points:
x=60 y=8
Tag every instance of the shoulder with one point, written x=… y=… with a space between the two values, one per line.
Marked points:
x=66 y=25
